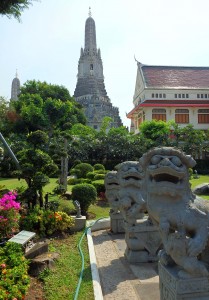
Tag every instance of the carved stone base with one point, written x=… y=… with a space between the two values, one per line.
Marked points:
x=116 y=223
x=174 y=288
x=143 y=242
x=80 y=223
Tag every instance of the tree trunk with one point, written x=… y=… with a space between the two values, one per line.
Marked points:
x=64 y=168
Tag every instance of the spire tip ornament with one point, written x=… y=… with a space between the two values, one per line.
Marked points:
x=89 y=11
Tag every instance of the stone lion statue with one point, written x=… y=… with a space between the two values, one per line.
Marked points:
x=170 y=204
x=131 y=201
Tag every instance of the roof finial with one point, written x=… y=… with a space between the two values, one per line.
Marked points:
x=16 y=75
x=89 y=11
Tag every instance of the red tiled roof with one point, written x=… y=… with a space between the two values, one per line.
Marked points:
x=169 y=103
x=175 y=77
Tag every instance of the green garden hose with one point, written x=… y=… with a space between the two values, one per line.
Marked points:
x=82 y=257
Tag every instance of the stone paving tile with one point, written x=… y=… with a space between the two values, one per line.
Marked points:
x=116 y=280
x=119 y=279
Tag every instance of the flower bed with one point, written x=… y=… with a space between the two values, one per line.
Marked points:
x=9 y=215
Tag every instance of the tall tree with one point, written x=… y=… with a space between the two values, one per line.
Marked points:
x=36 y=167
x=46 y=107
x=14 y=8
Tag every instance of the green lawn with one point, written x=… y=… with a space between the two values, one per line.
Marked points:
x=61 y=282
x=200 y=180
x=13 y=183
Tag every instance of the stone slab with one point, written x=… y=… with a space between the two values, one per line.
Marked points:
x=38 y=249
x=119 y=279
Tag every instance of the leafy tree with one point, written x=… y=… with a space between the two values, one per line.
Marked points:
x=192 y=139
x=46 y=107
x=79 y=130
x=157 y=131
x=38 y=138
x=14 y=8
x=4 y=108
x=105 y=124
x=36 y=167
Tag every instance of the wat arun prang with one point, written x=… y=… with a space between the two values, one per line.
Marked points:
x=90 y=89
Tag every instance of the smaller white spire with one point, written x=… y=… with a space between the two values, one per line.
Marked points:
x=16 y=74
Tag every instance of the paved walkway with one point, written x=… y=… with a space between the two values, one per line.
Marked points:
x=119 y=279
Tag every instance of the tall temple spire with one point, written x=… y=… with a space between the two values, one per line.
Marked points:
x=15 y=90
x=90 y=33
x=90 y=89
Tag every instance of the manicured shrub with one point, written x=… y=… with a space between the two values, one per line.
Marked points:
x=75 y=172
x=99 y=176
x=81 y=170
x=99 y=167
x=14 y=279
x=85 y=180
x=90 y=175
x=99 y=185
x=100 y=171
x=73 y=181
x=86 y=194
x=76 y=162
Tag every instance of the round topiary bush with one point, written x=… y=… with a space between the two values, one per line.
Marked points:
x=75 y=172
x=73 y=181
x=90 y=175
x=99 y=167
x=86 y=194
x=100 y=171
x=99 y=185
x=85 y=180
x=99 y=176
x=81 y=170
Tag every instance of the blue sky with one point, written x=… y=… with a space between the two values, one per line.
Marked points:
x=46 y=45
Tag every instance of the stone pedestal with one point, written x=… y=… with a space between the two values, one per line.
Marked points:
x=116 y=222
x=143 y=242
x=80 y=223
x=174 y=288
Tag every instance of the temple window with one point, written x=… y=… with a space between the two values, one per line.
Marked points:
x=203 y=116
x=159 y=114
x=182 y=116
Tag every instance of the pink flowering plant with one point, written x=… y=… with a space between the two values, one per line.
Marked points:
x=9 y=215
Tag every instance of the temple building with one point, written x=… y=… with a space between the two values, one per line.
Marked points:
x=171 y=93
x=90 y=89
